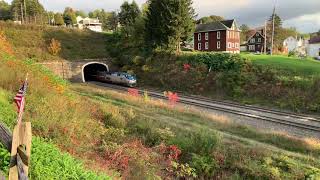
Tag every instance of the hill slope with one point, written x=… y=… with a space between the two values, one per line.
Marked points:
x=33 y=42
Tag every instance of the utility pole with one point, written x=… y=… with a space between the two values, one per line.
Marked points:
x=265 y=37
x=273 y=18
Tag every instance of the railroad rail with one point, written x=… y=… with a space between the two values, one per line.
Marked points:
x=305 y=122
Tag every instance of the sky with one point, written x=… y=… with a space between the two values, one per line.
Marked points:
x=302 y=14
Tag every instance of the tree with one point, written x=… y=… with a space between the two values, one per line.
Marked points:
x=69 y=16
x=5 y=13
x=35 y=12
x=208 y=19
x=168 y=23
x=245 y=30
x=58 y=19
x=81 y=13
x=112 y=21
x=102 y=15
x=128 y=15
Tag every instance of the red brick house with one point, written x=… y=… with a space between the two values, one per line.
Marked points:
x=223 y=36
x=256 y=42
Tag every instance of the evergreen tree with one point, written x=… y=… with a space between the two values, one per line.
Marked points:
x=169 y=22
x=58 y=19
x=5 y=13
x=128 y=15
x=69 y=16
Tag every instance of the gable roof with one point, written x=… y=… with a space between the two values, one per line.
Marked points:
x=214 y=26
x=314 y=40
x=256 y=32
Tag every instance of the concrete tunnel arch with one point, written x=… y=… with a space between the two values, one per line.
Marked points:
x=92 y=68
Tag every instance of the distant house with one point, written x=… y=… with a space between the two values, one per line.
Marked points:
x=221 y=36
x=255 y=43
x=296 y=44
x=89 y=23
x=314 y=47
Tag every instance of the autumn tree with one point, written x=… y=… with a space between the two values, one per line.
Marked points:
x=69 y=16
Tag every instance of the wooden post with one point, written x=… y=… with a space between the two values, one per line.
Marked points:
x=5 y=137
x=22 y=137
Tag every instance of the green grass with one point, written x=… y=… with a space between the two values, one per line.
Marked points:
x=32 y=42
x=291 y=65
x=48 y=162
x=252 y=153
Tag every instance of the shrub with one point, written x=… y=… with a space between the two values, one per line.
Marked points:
x=4 y=159
x=292 y=54
x=201 y=142
x=54 y=47
x=205 y=165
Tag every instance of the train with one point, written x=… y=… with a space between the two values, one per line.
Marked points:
x=121 y=78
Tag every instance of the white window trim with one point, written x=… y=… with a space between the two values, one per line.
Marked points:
x=218 y=35
x=229 y=45
x=233 y=45
x=207 y=36
x=199 y=46
x=206 y=46
x=259 y=39
x=199 y=37
x=218 y=45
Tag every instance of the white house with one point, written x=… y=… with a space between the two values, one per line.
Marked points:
x=296 y=44
x=314 y=47
x=89 y=23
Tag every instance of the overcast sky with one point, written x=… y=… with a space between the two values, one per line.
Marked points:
x=302 y=14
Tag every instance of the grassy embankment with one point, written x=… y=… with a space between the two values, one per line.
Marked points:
x=138 y=137
x=292 y=65
x=30 y=41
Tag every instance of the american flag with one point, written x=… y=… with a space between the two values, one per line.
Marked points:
x=20 y=97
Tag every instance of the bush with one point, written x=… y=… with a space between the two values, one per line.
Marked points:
x=205 y=166
x=201 y=142
x=54 y=47
x=292 y=54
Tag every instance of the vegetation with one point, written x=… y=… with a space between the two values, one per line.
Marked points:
x=168 y=23
x=32 y=42
x=140 y=138
x=208 y=19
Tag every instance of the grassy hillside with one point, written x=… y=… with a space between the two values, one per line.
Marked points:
x=291 y=65
x=138 y=138
x=33 y=42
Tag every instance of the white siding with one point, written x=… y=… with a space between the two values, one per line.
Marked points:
x=314 y=50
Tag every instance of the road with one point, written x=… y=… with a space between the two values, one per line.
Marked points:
x=269 y=120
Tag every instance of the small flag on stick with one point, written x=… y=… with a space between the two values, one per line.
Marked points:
x=20 y=99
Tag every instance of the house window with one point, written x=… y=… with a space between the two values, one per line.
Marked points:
x=218 y=35
x=253 y=40
x=199 y=46
x=199 y=36
x=251 y=47
x=233 y=45
x=218 y=45
x=237 y=45
x=259 y=39
x=206 y=46
x=229 y=45
x=207 y=36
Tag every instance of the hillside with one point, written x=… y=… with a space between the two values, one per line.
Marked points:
x=85 y=132
x=33 y=42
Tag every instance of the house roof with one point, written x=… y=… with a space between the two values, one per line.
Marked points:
x=214 y=26
x=314 y=40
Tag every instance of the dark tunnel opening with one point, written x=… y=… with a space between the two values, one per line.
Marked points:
x=90 y=71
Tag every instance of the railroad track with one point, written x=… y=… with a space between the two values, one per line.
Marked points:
x=289 y=119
